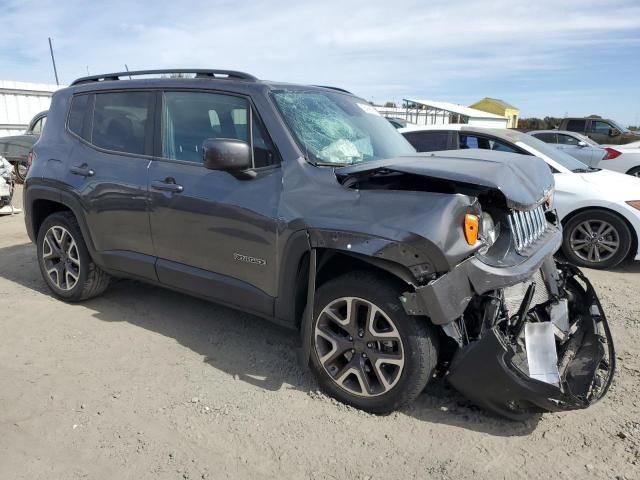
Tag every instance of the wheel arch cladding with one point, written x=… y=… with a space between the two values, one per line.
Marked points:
x=43 y=208
x=401 y=258
x=43 y=201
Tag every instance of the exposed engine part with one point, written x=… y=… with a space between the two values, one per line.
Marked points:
x=513 y=296
x=556 y=355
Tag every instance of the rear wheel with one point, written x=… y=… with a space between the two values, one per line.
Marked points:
x=64 y=260
x=596 y=239
x=366 y=351
x=634 y=171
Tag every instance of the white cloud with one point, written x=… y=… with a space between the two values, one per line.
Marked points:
x=373 y=47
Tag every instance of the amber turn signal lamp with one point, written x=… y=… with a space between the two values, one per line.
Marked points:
x=471 y=228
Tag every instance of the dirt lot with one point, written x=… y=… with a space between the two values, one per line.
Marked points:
x=146 y=383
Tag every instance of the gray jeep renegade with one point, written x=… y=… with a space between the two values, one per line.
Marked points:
x=302 y=205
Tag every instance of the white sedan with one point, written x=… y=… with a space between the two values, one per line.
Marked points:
x=599 y=209
x=623 y=159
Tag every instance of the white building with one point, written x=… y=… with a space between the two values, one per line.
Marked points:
x=432 y=112
x=19 y=102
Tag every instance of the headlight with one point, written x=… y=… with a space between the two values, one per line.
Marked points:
x=490 y=230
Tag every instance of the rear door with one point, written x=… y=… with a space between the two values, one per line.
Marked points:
x=214 y=233
x=107 y=173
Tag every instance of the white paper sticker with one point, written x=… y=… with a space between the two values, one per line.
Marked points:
x=368 y=109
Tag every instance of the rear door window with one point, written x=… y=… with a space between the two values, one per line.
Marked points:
x=428 y=141
x=576 y=125
x=121 y=121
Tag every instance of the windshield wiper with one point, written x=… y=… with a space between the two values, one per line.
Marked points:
x=585 y=170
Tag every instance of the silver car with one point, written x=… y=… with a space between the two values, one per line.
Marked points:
x=576 y=145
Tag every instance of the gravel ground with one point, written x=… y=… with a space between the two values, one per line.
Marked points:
x=147 y=383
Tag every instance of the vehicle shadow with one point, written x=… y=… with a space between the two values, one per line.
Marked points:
x=243 y=346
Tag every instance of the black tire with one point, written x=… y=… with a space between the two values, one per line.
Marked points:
x=91 y=279
x=580 y=253
x=418 y=343
x=635 y=171
x=20 y=172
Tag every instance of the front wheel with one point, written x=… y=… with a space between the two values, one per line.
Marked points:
x=596 y=239
x=366 y=351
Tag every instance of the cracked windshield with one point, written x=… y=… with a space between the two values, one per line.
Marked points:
x=334 y=129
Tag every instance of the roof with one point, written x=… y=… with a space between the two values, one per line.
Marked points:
x=455 y=108
x=502 y=103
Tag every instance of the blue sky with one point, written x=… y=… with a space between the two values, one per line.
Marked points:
x=546 y=57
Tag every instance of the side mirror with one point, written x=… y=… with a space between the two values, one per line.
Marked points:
x=582 y=144
x=226 y=154
x=614 y=132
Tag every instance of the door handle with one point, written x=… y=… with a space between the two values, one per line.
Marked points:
x=168 y=185
x=82 y=170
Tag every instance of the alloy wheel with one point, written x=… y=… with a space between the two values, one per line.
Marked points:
x=359 y=346
x=61 y=258
x=595 y=241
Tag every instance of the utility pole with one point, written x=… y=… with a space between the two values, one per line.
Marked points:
x=53 y=60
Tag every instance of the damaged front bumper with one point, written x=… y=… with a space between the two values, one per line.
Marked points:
x=543 y=344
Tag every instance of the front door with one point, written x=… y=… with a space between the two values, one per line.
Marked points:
x=215 y=233
x=600 y=131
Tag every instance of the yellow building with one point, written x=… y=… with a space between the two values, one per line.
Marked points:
x=499 y=107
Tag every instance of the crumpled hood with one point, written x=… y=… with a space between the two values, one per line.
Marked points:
x=524 y=180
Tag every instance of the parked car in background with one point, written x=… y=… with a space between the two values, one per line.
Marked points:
x=600 y=209
x=16 y=148
x=575 y=144
x=304 y=206
x=600 y=130
x=623 y=159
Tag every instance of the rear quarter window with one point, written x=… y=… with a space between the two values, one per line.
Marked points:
x=77 y=115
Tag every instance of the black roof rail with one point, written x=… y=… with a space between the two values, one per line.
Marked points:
x=199 y=73
x=338 y=89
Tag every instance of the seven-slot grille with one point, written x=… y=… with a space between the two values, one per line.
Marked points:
x=527 y=227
